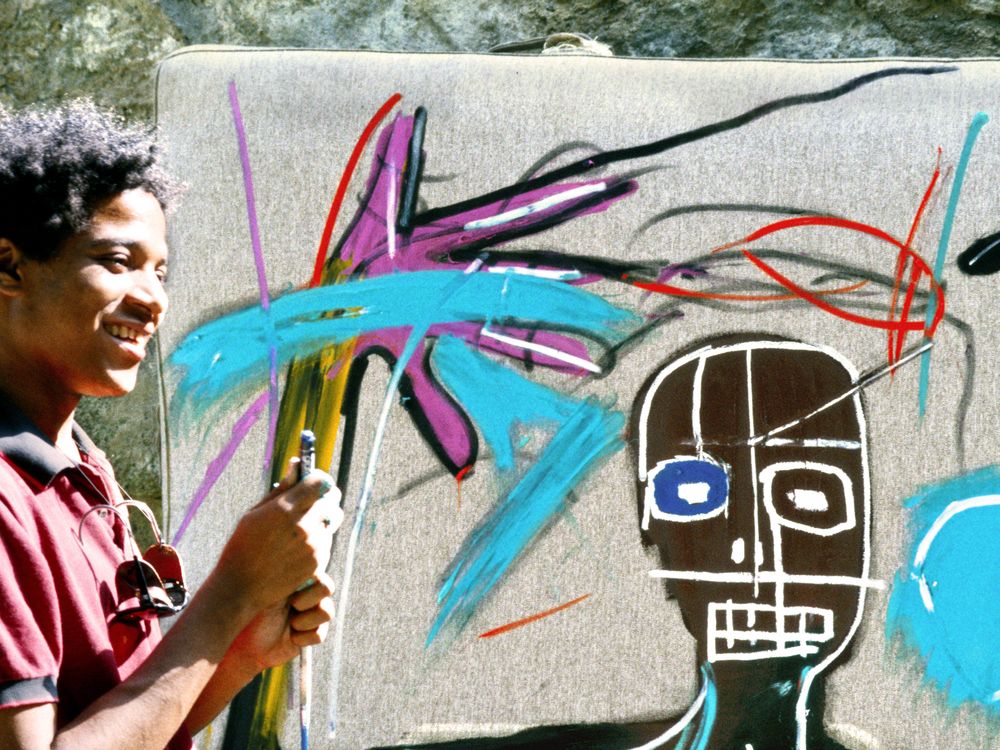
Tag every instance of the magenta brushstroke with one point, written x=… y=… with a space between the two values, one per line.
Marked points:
x=220 y=462
x=258 y=257
x=365 y=248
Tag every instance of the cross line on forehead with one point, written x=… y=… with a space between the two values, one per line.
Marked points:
x=768 y=438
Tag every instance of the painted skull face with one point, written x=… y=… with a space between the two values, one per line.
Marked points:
x=753 y=484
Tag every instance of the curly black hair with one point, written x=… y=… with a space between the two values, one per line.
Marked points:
x=57 y=163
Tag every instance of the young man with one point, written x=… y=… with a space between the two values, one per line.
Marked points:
x=83 y=259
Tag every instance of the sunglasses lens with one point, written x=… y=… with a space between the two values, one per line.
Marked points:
x=167 y=563
x=139 y=581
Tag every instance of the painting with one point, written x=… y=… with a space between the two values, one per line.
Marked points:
x=663 y=419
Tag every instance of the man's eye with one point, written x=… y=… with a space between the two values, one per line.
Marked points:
x=117 y=260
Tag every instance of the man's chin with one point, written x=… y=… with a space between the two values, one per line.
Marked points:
x=118 y=383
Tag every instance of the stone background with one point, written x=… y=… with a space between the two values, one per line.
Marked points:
x=53 y=49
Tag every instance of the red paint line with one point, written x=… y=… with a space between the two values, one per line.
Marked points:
x=920 y=266
x=458 y=480
x=894 y=302
x=859 y=319
x=896 y=352
x=925 y=201
x=345 y=179
x=531 y=618
x=822 y=221
x=911 y=290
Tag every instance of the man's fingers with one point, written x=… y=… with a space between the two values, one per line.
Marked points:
x=304 y=638
x=312 y=618
x=315 y=485
x=287 y=481
x=320 y=589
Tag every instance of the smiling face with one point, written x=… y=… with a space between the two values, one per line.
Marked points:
x=81 y=321
x=760 y=516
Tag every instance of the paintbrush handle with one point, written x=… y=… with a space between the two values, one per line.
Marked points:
x=305 y=690
x=307 y=462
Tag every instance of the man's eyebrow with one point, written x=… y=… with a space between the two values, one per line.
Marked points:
x=111 y=242
x=98 y=242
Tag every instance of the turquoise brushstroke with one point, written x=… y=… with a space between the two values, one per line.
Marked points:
x=231 y=352
x=953 y=623
x=499 y=400
x=708 y=709
x=949 y=218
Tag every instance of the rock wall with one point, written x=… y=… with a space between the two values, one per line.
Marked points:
x=53 y=49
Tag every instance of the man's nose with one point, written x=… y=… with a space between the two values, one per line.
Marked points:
x=148 y=292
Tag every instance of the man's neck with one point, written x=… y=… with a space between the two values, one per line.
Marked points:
x=52 y=413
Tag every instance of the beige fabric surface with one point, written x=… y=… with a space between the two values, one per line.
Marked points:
x=623 y=654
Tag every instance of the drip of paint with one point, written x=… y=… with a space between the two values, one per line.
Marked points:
x=458 y=482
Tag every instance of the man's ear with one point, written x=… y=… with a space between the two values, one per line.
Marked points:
x=11 y=262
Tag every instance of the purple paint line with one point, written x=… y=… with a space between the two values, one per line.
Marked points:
x=220 y=462
x=258 y=257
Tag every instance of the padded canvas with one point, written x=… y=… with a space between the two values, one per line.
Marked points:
x=827 y=173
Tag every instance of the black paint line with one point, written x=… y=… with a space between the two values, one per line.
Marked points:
x=670 y=142
x=349 y=418
x=414 y=168
x=239 y=720
x=439 y=178
x=550 y=156
x=982 y=257
x=585 y=264
x=698 y=208
x=413 y=408
x=423 y=423
x=474 y=249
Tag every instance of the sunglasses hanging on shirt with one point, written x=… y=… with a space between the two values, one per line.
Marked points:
x=151 y=585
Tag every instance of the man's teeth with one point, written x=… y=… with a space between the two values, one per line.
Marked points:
x=123 y=332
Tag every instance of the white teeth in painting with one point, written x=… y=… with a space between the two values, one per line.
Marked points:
x=736 y=629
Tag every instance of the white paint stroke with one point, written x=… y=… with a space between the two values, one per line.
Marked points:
x=768 y=474
x=924 y=548
x=542 y=273
x=548 y=351
x=532 y=208
x=814 y=443
x=864 y=382
x=758 y=559
x=681 y=724
x=769 y=577
x=390 y=213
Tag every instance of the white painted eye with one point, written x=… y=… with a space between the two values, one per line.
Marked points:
x=694 y=493
x=812 y=500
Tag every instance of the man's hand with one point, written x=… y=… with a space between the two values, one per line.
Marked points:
x=281 y=546
x=277 y=634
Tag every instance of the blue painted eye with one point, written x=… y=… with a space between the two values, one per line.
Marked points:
x=686 y=489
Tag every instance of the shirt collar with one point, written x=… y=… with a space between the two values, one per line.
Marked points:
x=24 y=444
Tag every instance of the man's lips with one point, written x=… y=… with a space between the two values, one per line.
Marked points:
x=133 y=337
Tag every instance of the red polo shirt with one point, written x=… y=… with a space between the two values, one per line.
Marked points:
x=59 y=642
